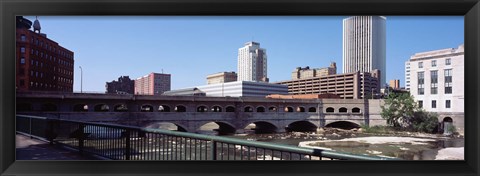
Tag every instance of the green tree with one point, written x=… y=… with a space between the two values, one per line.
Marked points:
x=399 y=110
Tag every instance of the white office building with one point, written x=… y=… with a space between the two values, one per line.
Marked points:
x=233 y=89
x=252 y=63
x=437 y=83
x=364 y=45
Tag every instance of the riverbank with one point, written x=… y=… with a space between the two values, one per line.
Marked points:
x=390 y=146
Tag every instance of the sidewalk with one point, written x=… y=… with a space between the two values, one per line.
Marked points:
x=33 y=149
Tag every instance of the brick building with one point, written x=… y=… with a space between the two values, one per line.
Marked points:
x=124 y=85
x=153 y=84
x=41 y=63
x=348 y=86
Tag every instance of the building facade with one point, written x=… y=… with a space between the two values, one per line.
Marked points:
x=124 y=85
x=407 y=75
x=302 y=73
x=252 y=63
x=41 y=63
x=437 y=82
x=235 y=89
x=364 y=45
x=222 y=77
x=394 y=84
x=348 y=86
x=153 y=84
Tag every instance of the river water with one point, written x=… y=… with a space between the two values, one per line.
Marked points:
x=408 y=146
x=402 y=146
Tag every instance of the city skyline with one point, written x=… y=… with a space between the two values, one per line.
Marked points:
x=190 y=48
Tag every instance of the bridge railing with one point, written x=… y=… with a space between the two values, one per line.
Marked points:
x=119 y=142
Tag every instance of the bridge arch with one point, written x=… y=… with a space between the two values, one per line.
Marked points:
x=248 y=109
x=222 y=128
x=120 y=108
x=288 y=109
x=164 y=108
x=300 y=109
x=101 y=108
x=272 y=109
x=180 y=108
x=347 y=125
x=202 y=108
x=343 y=110
x=167 y=126
x=80 y=108
x=217 y=108
x=330 y=110
x=260 y=109
x=302 y=126
x=24 y=107
x=230 y=108
x=146 y=108
x=261 y=127
x=49 y=107
x=312 y=109
x=356 y=110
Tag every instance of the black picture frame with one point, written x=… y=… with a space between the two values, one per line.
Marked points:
x=9 y=9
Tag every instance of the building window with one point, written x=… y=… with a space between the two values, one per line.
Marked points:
x=447 y=104
x=22 y=60
x=448 y=81
x=421 y=83
x=22 y=82
x=420 y=65
x=22 y=49
x=420 y=103
x=434 y=82
x=448 y=61
x=434 y=103
x=434 y=63
x=23 y=38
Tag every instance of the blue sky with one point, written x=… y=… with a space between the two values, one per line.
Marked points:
x=190 y=48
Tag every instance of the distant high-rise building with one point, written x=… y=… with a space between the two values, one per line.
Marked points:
x=152 y=84
x=41 y=63
x=301 y=73
x=222 y=77
x=395 y=84
x=252 y=63
x=364 y=45
x=124 y=85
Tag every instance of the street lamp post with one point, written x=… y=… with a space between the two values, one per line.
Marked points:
x=81 y=79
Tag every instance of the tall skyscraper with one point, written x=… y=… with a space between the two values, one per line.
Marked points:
x=252 y=63
x=364 y=43
x=42 y=64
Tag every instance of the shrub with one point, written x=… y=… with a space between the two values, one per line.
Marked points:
x=424 y=122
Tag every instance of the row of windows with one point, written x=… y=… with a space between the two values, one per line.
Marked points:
x=42 y=85
x=434 y=82
x=434 y=63
x=434 y=104
x=32 y=51
x=46 y=46
x=41 y=75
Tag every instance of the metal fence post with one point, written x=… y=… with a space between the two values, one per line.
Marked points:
x=81 y=138
x=127 y=144
x=214 y=150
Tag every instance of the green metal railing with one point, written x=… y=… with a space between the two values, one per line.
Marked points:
x=119 y=142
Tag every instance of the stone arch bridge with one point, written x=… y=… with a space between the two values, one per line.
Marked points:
x=189 y=113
